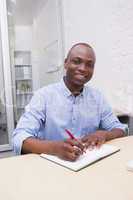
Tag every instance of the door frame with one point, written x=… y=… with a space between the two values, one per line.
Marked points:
x=6 y=73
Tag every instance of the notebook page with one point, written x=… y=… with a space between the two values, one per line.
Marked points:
x=87 y=158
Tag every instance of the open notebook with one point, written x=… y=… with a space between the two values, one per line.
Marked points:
x=86 y=159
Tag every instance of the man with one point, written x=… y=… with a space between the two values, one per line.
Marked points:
x=69 y=104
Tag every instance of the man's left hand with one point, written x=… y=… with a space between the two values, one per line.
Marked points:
x=95 y=139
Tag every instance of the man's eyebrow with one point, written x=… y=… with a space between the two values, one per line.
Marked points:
x=77 y=57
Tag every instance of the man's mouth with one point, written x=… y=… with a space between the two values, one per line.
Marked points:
x=80 y=76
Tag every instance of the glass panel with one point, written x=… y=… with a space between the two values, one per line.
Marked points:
x=20 y=52
x=23 y=80
x=3 y=119
x=36 y=53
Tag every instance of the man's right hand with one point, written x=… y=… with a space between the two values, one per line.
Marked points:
x=68 y=149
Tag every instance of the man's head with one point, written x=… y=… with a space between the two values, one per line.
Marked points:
x=79 y=64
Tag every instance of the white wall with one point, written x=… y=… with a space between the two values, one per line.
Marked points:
x=108 y=27
x=44 y=31
x=46 y=51
x=23 y=38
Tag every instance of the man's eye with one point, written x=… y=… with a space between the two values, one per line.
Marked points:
x=90 y=65
x=76 y=61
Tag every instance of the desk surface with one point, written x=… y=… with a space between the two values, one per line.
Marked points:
x=30 y=177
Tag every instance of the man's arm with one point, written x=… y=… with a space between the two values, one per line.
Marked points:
x=63 y=149
x=30 y=122
x=115 y=133
x=109 y=126
x=101 y=136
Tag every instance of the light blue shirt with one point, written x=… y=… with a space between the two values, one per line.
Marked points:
x=53 y=109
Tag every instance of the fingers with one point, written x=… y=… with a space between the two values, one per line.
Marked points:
x=71 y=157
x=75 y=154
x=84 y=139
x=89 y=141
x=72 y=149
x=77 y=143
x=92 y=141
x=100 y=143
x=77 y=151
x=66 y=151
x=71 y=152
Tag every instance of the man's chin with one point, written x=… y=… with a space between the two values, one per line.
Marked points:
x=80 y=82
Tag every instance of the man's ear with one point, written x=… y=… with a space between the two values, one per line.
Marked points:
x=65 y=63
x=65 y=60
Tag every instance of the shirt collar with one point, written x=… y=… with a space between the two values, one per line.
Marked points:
x=67 y=92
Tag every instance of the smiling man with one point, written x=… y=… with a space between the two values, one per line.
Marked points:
x=69 y=104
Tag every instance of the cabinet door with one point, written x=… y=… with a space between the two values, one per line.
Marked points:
x=6 y=106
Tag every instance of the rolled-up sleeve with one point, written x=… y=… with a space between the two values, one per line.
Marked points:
x=30 y=122
x=108 y=120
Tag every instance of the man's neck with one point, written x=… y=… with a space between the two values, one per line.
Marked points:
x=75 y=89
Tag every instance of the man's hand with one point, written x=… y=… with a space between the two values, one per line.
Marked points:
x=95 y=139
x=68 y=149
x=100 y=137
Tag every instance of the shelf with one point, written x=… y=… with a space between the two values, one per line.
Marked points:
x=24 y=93
x=21 y=108
x=3 y=124
x=23 y=79
x=23 y=65
x=3 y=119
x=22 y=57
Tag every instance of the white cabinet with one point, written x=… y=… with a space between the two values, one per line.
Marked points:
x=23 y=81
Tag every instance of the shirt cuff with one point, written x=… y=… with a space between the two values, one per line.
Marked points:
x=18 y=141
x=124 y=127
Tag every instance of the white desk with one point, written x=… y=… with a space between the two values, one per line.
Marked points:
x=30 y=177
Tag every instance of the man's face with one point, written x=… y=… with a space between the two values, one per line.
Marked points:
x=80 y=65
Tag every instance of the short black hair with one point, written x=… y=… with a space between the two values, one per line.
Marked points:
x=77 y=44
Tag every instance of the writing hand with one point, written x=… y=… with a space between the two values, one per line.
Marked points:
x=69 y=149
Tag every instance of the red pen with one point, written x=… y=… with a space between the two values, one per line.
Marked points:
x=72 y=137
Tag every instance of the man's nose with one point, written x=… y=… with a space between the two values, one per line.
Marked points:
x=82 y=67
